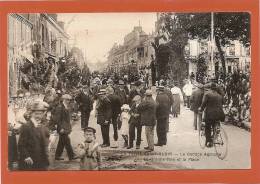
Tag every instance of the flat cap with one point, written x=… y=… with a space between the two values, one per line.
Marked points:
x=89 y=129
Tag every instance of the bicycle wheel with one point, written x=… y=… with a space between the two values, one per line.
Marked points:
x=220 y=141
x=202 y=137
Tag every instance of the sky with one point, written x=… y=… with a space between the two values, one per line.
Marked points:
x=96 y=33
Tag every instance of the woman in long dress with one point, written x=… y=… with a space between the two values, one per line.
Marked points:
x=178 y=97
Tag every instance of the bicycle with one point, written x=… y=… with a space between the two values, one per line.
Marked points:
x=219 y=137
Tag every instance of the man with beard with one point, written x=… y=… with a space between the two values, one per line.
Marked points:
x=32 y=141
x=85 y=103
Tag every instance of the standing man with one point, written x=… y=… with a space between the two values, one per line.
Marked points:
x=85 y=103
x=187 y=89
x=162 y=115
x=32 y=141
x=147 y=111
x=168 y=92
x=135 y=124
x=104 y=116
x=153 y=70
x=196 y=100
x=121 y=92
x=212 y=102
x=61 y=118
x=116 y=109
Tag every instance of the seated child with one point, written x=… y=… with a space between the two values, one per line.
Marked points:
x=89 y=154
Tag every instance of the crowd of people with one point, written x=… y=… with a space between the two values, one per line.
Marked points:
x=129 y=107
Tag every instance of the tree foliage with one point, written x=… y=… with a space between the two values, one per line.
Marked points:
x=178 y=28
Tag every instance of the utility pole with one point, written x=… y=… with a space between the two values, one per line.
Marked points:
x=212 y=43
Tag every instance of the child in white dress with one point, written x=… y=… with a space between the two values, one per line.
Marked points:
x=125 y=116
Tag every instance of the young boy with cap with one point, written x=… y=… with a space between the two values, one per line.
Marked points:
x=89 y=154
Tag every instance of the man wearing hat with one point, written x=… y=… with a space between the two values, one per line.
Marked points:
x=147 y=111
x=212 y=103
x=137 y=90
x=135 y=123
x=85 y=103
x=116 y=109
x=121 y=91
x=61 y=118
x=104 y=115
x=162 y=115
x=168 y=92
x=33 y=138
x=196 y=100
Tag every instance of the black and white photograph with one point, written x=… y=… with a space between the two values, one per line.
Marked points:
x=129 y=91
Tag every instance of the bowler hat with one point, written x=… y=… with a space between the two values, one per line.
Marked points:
x=89 y=129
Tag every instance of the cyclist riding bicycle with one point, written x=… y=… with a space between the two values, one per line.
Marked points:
x=212 y=103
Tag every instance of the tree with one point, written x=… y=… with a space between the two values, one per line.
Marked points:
x=174 y=30
x=227 y=27
x=178 y=28
x=201 y=69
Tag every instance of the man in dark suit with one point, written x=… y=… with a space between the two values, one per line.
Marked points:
x=162 y=114
x=85 y=103
x=61 y=118
x=135 y=123
x=104 y=116
x=147 y=111
x=212 y=103
x=116 y=109
x=170 y=96
x=196 y=100
x=33 y=138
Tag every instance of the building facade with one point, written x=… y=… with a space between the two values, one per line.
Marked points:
x=237 y=56
x=33 y=36
x=134 y=55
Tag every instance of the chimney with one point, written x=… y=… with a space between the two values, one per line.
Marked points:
x=61 y=24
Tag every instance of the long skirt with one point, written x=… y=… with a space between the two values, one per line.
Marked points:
x=176 y=106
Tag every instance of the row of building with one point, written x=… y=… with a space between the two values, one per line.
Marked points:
x=35 y=37
x=137 y=49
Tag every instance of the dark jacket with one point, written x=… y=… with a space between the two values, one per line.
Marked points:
x=147 y=111
x=196 y=99
x=134 y=111
x=115 y=104
x=121 y=93
x=104 y=110
x=170 y=96
x=61 y=118
x=32 y=143
x=163 y=105
x=133 y=93
x=212 y=103
x=85 y=102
